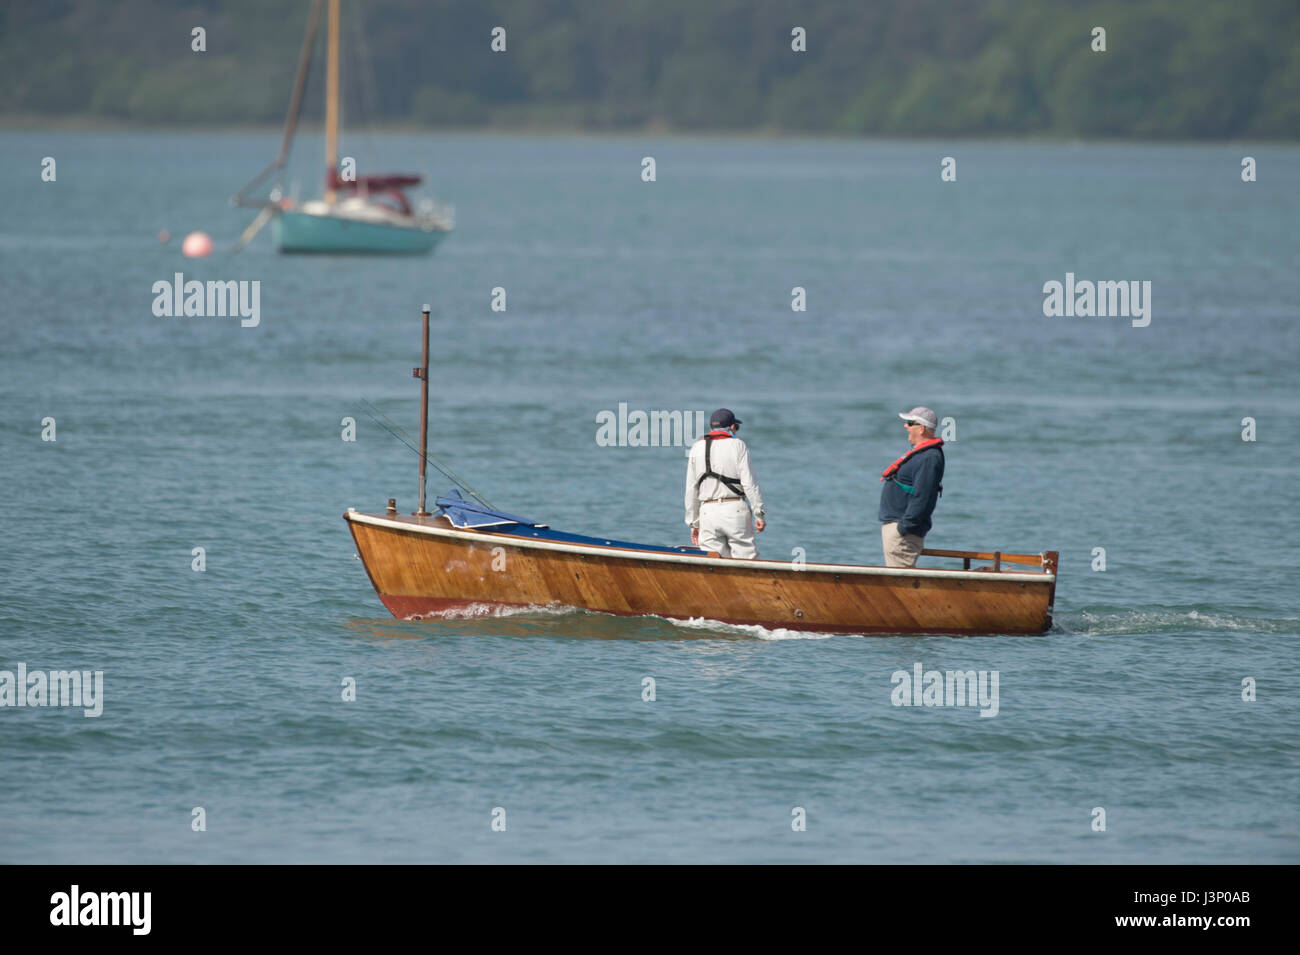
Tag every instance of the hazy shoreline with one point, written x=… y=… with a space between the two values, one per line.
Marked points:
x=99 y=124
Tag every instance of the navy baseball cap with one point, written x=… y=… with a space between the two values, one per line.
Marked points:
x=723 y=418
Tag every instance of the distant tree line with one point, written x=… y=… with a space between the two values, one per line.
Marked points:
x=1204 y=69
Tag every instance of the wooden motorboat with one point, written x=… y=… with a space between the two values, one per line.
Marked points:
x=471 y=558
x=426 y=566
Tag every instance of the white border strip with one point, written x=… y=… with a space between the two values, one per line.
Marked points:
x=731 y=563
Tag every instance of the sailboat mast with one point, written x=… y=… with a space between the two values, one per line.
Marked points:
x=332 y=102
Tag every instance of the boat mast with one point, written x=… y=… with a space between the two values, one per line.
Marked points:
x=332 y=102
x=423 y=374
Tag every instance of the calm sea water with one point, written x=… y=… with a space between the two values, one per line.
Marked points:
x=222 y=689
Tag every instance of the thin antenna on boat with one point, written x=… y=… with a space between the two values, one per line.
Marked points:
x=423 y=374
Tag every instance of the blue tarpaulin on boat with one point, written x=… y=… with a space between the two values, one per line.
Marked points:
x=470 y=514
x=463 y=513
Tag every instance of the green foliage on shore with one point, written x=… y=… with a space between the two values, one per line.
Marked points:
x=1200 y=69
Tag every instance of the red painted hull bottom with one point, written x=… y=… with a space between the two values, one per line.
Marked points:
x=417 y=608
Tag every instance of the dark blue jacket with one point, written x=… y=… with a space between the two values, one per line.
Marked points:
x=923 y=473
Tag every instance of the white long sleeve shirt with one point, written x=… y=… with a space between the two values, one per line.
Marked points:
x=730 y=458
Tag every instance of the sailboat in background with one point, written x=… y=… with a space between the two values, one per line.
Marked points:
x=361 y=214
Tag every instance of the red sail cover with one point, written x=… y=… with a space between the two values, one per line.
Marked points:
x=373 y=183
x=390 y=186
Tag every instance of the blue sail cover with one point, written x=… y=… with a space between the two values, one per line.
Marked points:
x=463 y=513
x=470 y=514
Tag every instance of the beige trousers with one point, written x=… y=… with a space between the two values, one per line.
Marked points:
x=901 y=550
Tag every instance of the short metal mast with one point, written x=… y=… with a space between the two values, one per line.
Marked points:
x=423 y=374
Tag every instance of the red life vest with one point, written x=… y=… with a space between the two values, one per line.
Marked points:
x=890 y=471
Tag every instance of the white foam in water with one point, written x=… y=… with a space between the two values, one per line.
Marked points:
x=1085 y=624
x=752 y=630
x=1160 y=621
x=491 y=610
x=476 y=610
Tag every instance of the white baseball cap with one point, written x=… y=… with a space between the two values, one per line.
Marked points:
x=923 y=416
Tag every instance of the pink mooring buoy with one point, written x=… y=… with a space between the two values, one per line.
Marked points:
x=197 y=245
x=164 y=236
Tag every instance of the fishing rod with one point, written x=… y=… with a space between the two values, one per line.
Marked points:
x=396 y=430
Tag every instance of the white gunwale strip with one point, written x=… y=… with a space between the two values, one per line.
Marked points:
x=727 y=562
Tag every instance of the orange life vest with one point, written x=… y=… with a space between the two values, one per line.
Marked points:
x=890 y=472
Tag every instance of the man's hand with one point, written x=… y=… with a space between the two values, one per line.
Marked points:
x=759 y=524
x=695 y=537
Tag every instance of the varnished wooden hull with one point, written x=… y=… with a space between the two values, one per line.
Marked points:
x=423 y=566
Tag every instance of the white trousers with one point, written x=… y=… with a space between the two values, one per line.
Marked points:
x=726 y=527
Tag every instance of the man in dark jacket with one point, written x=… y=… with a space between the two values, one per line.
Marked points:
x=912 y=486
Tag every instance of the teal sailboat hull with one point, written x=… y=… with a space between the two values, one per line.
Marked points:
x=304 y=232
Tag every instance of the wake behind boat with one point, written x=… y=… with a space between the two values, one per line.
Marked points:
x=469 y=554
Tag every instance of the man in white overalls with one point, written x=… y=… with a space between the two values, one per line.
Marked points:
x=718 y=481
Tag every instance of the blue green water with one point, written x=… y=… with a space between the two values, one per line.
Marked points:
x=222 y=689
